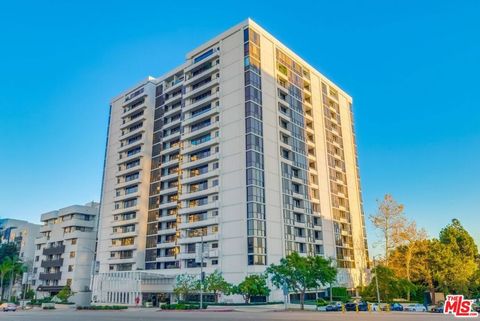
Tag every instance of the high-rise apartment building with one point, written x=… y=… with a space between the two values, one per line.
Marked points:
x=65 y=251
x=246 y=149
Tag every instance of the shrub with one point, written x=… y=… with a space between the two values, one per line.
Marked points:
x=321 y=303
x=181 y=306
x=103 y=307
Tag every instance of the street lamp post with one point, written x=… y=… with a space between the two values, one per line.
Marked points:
x=376 y=281
x=201 y=271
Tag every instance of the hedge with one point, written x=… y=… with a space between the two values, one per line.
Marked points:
x=103 y=307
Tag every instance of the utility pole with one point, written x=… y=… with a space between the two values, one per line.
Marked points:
x=201 y=271
x=376 y=281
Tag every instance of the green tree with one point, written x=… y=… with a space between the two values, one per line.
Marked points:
x=401 y=259
x=17 y=271
x=460 y=241
x=5 y=268
x=216 y=284
x=389 y=286
x=8 y=250
x=252 y=285
x=302 y=273
x=389 y=220
x=184 y=285
x=65 y=293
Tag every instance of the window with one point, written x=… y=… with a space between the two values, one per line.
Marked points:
x=201 y=110
x=133 y=151
x=132 y=163
x=203 y=56
x=199 y=155
x=72 y=254
x=37 y=258
x=73 y=241
x=131 y=189
x=131 y=177
x=201 y=139
x=70 y=268
x=214 y=262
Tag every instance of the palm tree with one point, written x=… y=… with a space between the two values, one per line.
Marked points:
x=17 y=268
x=5 y=268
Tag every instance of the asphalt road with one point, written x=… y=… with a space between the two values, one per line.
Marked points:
x=147 y=315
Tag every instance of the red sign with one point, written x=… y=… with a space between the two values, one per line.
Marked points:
x=459 y=307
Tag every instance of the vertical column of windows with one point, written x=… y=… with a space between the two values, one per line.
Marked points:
x=342 y=224
x=256 y=225
x=300 y=223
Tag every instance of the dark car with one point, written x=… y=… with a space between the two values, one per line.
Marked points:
x=352 y=306
x=396 y=307
x=438 y=308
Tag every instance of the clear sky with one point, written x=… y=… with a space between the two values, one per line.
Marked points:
x=412 y=67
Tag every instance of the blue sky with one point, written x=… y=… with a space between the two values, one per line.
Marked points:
x=411 y=66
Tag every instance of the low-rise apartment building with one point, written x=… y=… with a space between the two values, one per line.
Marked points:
x=65 y=250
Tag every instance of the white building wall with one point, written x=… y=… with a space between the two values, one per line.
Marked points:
x=232 y=219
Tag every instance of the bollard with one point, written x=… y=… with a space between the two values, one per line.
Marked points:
x=369 y=307
x=343 y=308
x=356 y=308
x=388 y=308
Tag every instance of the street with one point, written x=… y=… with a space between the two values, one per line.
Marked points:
x=150 y=314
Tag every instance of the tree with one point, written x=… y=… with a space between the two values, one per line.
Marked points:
x=402 y=257
x=8 y=250
x=17 y=268
x=302 y=273
x=389 y=286
x=390 y=220
x=184 y=285
x=462 y=254
x=5 y=268
x=65 y=293
x=459 y=239
x=216 y=284
x=252 y=285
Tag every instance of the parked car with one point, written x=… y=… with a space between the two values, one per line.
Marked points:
x=8 y=307
x=375 y=307
x=393 y=307
x=437 y=308
x=352 y=306
x=416 y=308
x=334 y=306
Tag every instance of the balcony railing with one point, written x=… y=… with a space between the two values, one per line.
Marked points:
x=50 y=276
x=59 y=249
x=51 y=263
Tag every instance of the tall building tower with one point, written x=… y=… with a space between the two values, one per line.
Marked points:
x=246 y=149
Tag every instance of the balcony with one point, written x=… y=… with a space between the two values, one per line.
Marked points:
x=51 y=263
x=215 y=54
x=206 y=85
x=60 y=249
x=212 y=220
x=200 y=192
x=200 y=102
x=200 y=130
x=199 y=208
x=50 y=276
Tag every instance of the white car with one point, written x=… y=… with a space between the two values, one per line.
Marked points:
x=8 y=307
x=416 y=308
